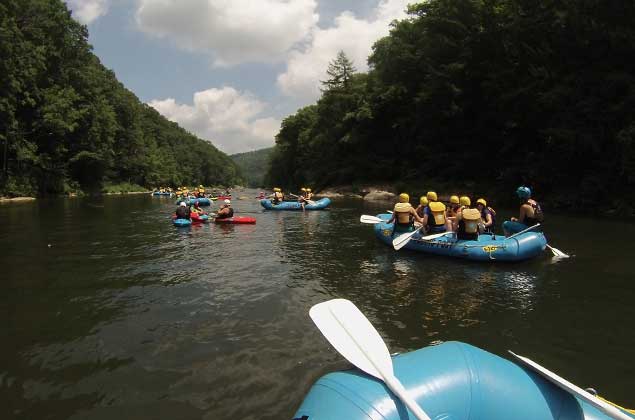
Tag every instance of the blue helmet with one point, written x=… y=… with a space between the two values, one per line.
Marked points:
x=523 y=192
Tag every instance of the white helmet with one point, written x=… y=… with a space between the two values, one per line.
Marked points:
x=227 y=202
x=183 y=204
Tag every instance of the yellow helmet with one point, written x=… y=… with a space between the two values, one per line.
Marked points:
x=276 y=189
x=423 y=200
x=432 y=196
x=200 y=186
x=465 y=201
x=481 y=201
x=404 y=198
x=454 y=200
x=308 y=189
x=302 y=189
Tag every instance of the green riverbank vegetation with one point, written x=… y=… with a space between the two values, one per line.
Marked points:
x=491 y=93
x=67 y=124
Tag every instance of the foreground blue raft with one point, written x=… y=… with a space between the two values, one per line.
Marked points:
x=451 y=381
x=486 y=248
x=294 y=205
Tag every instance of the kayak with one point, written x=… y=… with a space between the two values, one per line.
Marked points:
x=203 y=202
x=181 y=222
x=222 y=197
x=294 y=205
x=452 y=380
x=196 y=218
x=236 y=220
x=486 y=248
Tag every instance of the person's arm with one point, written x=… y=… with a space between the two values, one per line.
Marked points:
x=416 y=216
x=488 y=221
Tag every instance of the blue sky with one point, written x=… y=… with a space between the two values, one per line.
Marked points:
x=229 y=71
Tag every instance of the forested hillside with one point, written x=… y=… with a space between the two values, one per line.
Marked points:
x=253 y=165
x=66 y=123
x=491 y=93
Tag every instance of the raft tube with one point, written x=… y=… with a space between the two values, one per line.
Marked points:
x=161 y=194
x=196 y=218
x=181 y=222
x=453 y=381
x=486 y=248
x=236 y=220
x=294 y=205
x=203 y=202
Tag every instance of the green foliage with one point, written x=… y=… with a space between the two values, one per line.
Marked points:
x=481 y=92
x=68 y=123
x=253 y=165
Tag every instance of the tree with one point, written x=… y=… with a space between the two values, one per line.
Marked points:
x=340 y=72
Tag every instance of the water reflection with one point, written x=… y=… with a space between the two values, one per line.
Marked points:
x=126 y=316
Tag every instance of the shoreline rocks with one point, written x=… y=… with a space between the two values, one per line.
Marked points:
x=16 y=199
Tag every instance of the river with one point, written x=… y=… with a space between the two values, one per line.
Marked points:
x=111 y=312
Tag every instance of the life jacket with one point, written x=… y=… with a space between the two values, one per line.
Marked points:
x=403 y=208
x=539 y=216
x=469 y=220
x=437 y=211
x=226 y=216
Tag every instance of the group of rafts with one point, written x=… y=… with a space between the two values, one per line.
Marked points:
x=459 y=230
x=189 y=205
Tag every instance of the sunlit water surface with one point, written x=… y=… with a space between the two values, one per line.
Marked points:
x=110 y=312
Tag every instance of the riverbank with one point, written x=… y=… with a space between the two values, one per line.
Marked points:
x=16 y=199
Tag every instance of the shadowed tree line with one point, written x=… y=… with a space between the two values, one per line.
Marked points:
x=66 y=123
x=489 y=93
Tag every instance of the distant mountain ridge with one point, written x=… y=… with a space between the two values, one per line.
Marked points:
x=253 y=165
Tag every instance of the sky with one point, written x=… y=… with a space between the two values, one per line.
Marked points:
x=230 y=71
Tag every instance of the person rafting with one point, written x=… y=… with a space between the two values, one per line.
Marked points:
x=468 y=221
x=486 y=216
x=404 y=215
x=530 y=213
x=434 y=215
x=453 y=207
x=277 y=196
x=423 y=203
x=196 y=208
x=183 y=211
x=226 y=211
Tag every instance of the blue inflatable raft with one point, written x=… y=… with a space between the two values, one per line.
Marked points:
x=294 y=205
x=203 y=202
x=161 y=194
x=181 y=222
x=486 y=248
x=451 y=381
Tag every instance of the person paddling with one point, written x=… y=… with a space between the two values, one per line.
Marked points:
x=530 y=213
x=434 y=215
x=423 y=203
x=404 y=215
x=486 y=215
x=183 y=211
x=277 y=196
x=226 y=211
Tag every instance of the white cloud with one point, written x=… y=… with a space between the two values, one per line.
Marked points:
x=307 y=66
x=230 y=119
x=231 y=31
x=86 y=11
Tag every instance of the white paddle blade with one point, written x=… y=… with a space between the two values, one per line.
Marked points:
x=370 y=219
x=573 y=389
x=401 y=240
x=557 y=253
x=435 y=236
x=352 y=335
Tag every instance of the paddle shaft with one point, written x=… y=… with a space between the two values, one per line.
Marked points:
x=524 y=230
x=388 y=377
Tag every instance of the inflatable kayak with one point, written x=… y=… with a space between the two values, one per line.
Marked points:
x=222 y=197
x=486 y=248
x=203 y=202
x=294 y=205
x=236 y=220
x=181 y=222
x=453 y=381
x=199 y=218
x=161 y=194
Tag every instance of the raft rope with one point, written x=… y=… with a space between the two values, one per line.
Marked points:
x=628 y=410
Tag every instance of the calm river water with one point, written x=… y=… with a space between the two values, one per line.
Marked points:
x=109 y=312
